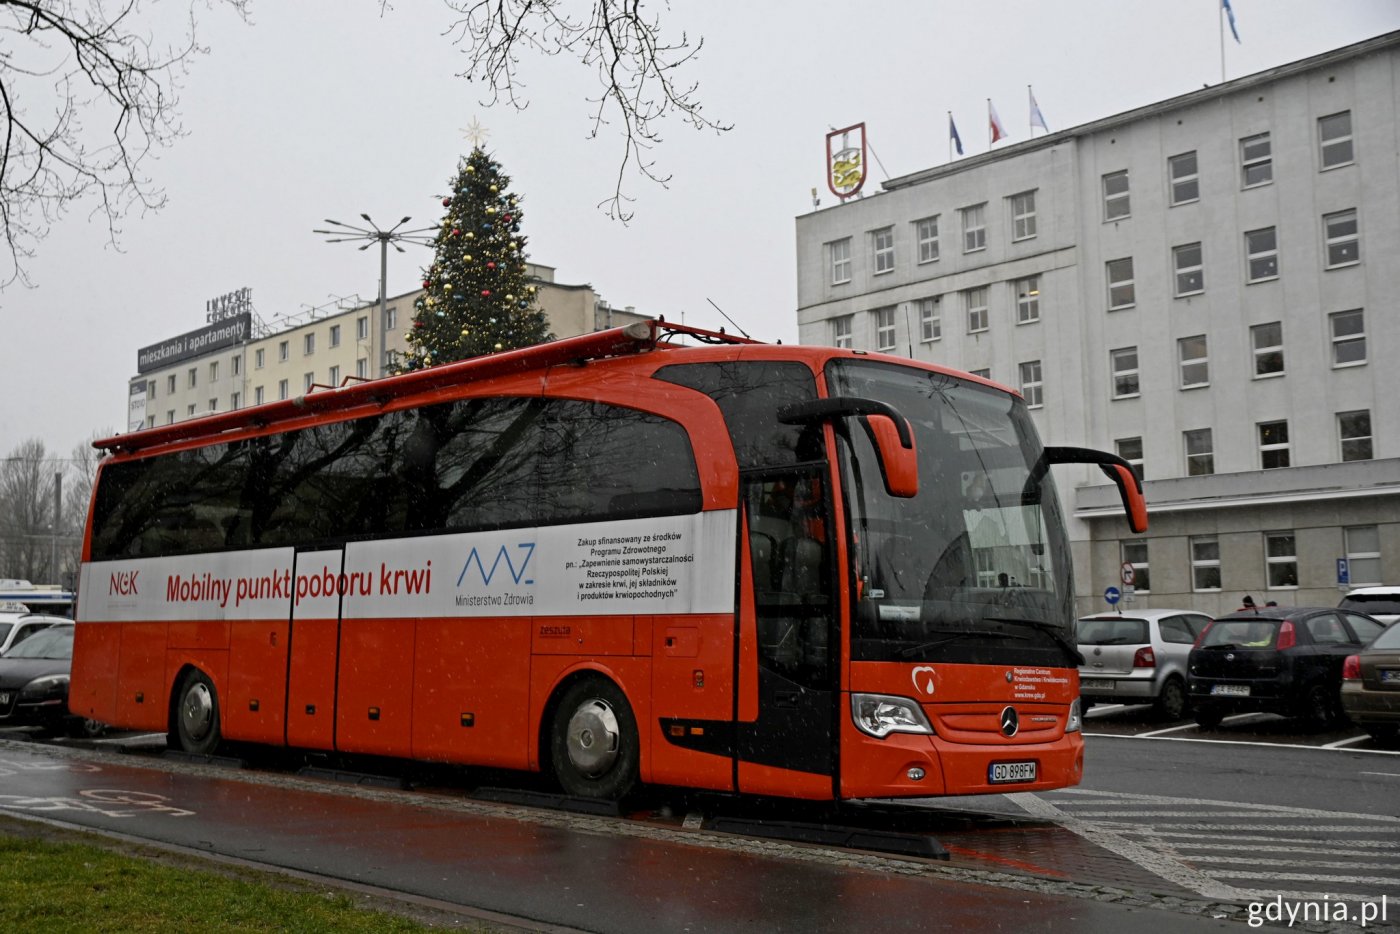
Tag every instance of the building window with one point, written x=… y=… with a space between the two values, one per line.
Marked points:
x=884 y=329
x=883 y=241
x=189 y=409
x=1195 y=361
x=1130 y=449
x=333 y=377
x=1273 y=444
x=283 y=351
x=362 y=368
x=308 y=344
x=1190 y=276
x=840 y=252
x=1121 y=291
x=976 y=300
x=984 y=373
x=235 y=400
x=282 y=389
x=213 y=405
x=1027 y=299
x=1032 y=384
x=213 y=370
x=1354 y=428
x=362 y=328
x=1268 y=348
x=1256 y=160
x=307 y=381
x=1023 y=216
x=927 y=232
x=151 y=389
x=1343 y=239
x=1334 y=139
x=1135 y=553
x=258 y=396
x=930 y=320
x=170 y=385
x=1186 y=184
x=1281 y=559
x=236 y=364
x=391 y=319
x=193 y=377
x=1115 y=196
x=1261 y=253
x=1205 y=563
x=974 y=222
x=841 y=331
x=1363 y=544
x=1125 y=372
x=1200 y=452
x=1348 y=337
x=259 y=356
x=335 y=335
x=170 y=416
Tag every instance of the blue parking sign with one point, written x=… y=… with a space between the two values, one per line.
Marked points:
x=1343 y=572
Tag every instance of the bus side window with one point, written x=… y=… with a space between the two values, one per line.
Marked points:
x=788 y=554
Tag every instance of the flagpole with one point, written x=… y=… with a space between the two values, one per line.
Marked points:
x=950 y=136
x=1030 y=112
x=1220 y=16
x=990 y=140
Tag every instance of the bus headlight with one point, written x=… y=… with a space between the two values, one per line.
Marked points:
x=1076 y=718
x=879 y=715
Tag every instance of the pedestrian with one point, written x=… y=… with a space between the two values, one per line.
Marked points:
x=1247 y=605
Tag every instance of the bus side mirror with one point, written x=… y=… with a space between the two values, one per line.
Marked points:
x=899 y=463
x=1117 y=469
x=1134 y=503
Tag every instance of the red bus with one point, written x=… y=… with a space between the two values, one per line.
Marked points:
x=784 y=570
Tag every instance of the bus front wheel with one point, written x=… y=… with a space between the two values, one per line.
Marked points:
x=197 y=715
x=593 y=746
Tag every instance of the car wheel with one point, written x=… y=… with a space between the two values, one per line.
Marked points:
x=1320 y=707
x=84 y=728
x=1384 y=735
x=1207 y=718
x=593 y=743
x=1172 y=702
x=197 y=729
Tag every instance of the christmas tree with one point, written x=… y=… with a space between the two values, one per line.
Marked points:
x=477 y=298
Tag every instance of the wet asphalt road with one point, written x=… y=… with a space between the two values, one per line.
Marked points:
x=538 y=868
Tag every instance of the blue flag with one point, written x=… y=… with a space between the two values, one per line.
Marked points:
x=953 y=134
x=1230 y=15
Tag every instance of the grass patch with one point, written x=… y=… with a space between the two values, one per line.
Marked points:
x=82 y=886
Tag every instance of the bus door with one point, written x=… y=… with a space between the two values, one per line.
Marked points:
x=314 y=644
x=790 y=748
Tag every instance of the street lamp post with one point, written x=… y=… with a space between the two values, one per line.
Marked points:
x=371 y=235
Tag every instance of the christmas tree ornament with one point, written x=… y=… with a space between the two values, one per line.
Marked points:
x=446 y=202
x=485 y=293
x=494 y=189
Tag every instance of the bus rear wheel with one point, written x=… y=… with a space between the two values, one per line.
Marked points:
x=593 y=743
x=197 y=728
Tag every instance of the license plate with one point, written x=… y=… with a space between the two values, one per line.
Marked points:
x=4 y=699
x=1230 y=690
x=1095 y=684
x=1000 y=773
x=1389 y=676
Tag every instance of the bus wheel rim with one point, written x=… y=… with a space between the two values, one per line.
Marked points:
x=593 y=738
x=197 y=712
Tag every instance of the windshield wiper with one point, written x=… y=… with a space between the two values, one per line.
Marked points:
x=1050 y=629
x=955 y=635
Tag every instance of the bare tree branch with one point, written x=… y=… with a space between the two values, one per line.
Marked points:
x=87 y=94
x=636 y=69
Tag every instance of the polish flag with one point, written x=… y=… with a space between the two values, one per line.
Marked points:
x=997 y=130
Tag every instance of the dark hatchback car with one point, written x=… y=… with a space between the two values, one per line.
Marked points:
x=1283 y=660
x=1371 y=686
x=34 y=684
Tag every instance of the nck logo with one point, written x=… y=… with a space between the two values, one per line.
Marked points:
x=524 y=552
x=123 y=583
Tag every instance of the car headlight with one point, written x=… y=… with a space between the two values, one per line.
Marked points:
x=49 y=686
x=879 y=715
x=1076 y=718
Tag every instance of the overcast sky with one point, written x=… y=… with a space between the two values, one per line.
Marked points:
x=325 y=109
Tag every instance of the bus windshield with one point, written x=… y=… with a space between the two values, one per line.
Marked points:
x=974 y=568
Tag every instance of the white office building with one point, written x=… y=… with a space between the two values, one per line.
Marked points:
x=1206 y=286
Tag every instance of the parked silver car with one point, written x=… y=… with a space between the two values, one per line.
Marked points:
x=1380 y=603
x=1138 y=658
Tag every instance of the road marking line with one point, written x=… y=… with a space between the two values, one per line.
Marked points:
x=1345 y=742
x=1170 y=729
x=1196 y=803
x=1291 y=863
x=1267 y=848
x=1215 y=841
x=1242 y=742
x=1310 y=877
x=1159 y=864
x=1386 y=774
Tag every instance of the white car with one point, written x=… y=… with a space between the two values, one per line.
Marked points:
x=1137 y=657
x=1380 y=603
x=16 y=627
